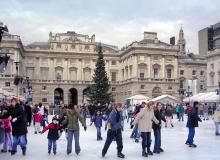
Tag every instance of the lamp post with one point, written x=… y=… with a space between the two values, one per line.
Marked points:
x=17 y=77
x=29 y=89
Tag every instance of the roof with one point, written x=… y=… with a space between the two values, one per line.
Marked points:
x=203 y=97
x=108 y=47
x=167 y=98
x=139 y=97
x=42 y=45
x=151 y=41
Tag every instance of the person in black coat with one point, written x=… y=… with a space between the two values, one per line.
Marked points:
x=192 y=122
x=157 y=128
x=19 y=125
x=28 y=112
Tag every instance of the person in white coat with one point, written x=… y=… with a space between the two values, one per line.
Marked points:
x=144 y=120
x=216 y=118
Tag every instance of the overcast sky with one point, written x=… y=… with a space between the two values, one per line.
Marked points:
x=117 y=22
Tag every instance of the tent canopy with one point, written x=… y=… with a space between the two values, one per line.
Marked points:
x=166 y=99
x=203 y=97
x=137 y=99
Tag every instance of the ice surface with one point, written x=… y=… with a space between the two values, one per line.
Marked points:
x=173 y=142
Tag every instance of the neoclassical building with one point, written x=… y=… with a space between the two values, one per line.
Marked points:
x=61 y=69
x=209 y=39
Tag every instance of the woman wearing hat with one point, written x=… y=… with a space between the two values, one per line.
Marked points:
x=19 y=125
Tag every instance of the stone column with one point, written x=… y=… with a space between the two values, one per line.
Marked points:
x=149 y=66
x=163 y=70
x=51 y=69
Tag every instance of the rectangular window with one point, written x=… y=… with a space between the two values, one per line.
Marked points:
x=169 y=73
x=193 y=72
x=201 y=73
x=156 y=73
x=7 y=84
x=201 y=87
x=114 y=74
x=181 y=84
x=181 y=72
x=44 y=100
x=142 y=86
x=142 y=72
x=212 y=66
x=141 y=75
x=113 y=62
x=123 y=74
x=170 y=87
x=44 y=87
x=113 y=89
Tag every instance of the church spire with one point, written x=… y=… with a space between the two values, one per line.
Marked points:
x=181 y=41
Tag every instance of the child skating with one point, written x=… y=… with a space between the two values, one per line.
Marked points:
x=53 y=135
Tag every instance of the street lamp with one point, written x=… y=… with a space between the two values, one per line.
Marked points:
x=2 y=30
x=17 y=79
x=29 y=90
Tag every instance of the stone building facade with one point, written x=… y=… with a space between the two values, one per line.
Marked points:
x=61 y=69
x=209 y=45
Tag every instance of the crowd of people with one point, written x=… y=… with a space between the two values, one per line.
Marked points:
x=144 y=119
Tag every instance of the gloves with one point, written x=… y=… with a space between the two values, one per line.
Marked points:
x=85 y=128
x=132 y=126
x=14 y=120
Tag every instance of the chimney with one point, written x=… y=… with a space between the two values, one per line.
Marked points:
x=172 y=40
x=150 y=35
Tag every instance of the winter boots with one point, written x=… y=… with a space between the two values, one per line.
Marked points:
x=54 y=152
x=121 y=155
x=144 y=154
x=24 y=151
x=193 y=145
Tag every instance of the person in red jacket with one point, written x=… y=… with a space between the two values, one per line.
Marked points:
x=37 y=120
x=53 y=134
x=7 y=146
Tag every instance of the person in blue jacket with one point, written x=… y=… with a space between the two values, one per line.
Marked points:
x=97 y=119
x=114 y=130
x=192 y=122
x=181 y=112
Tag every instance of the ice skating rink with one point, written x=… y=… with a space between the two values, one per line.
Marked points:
x=173 y=143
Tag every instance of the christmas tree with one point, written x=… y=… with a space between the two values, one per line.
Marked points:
x=99 y=91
